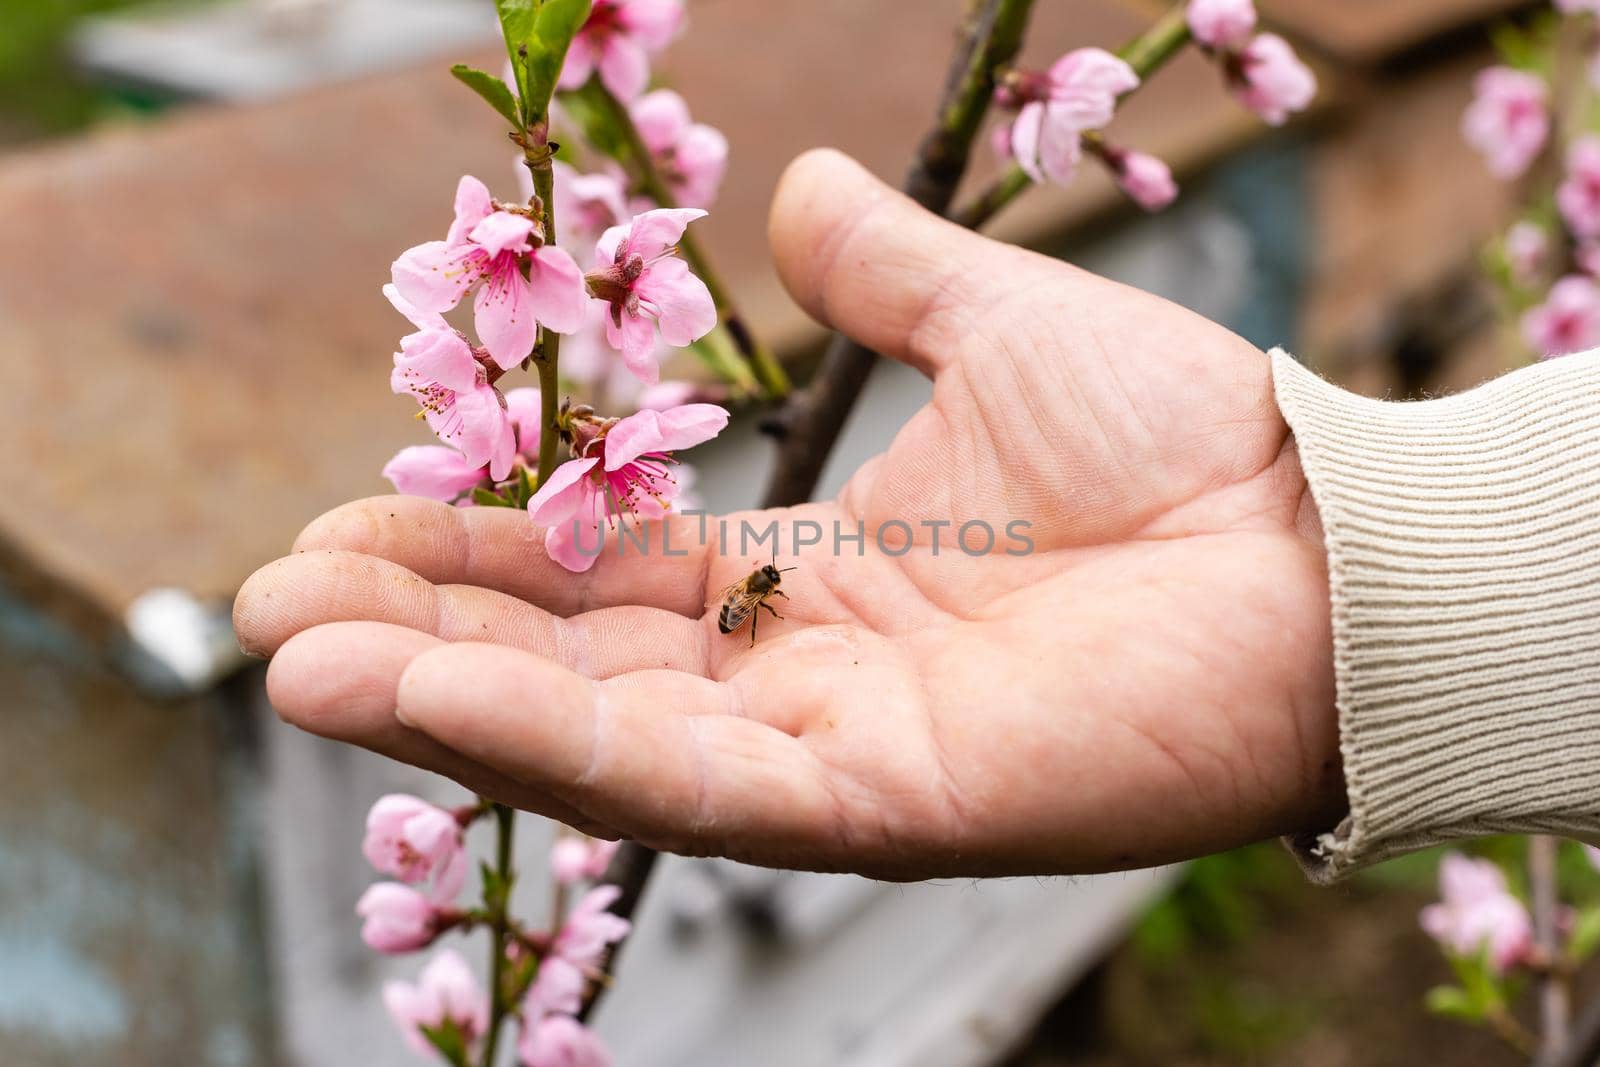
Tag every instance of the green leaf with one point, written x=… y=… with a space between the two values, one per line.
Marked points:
x=488 y=498
x=538 y=33
x=1452 y=1002
x=492 y=89
x=449 y=1040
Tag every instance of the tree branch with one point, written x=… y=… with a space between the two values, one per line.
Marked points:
x=629 y=871
x=1146 y=54
x=1555 y=1007
x=809 y=424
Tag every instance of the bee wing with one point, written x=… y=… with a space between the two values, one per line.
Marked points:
x=738 y=601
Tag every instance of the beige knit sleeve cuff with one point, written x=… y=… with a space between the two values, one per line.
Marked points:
x=1463 y=540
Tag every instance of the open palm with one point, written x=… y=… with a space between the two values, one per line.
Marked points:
x=1152 y=680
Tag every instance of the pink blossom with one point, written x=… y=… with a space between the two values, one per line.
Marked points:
x=586 y=204
x=1526 y=247
x=557 y=989
x=690 y=155
x=561 y=1041
x=446 y=990
x=1222 y=24
x=1508 y=120
x=1477 y=912
x=1578 y=7
x=624 y=471
x=1578 y=196
x=396 y=918
x=1146 y=179
x=413 y=840
x=577 y=859
x=448 y=378
x=618 y=40
x=649 y=288
x=523 y=409
x=492 y=245
x=590 y=929
x=1271 y=80
x=1078 y=93
x=1569 y=319
x=435 y=472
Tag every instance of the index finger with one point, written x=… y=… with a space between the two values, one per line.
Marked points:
x=501 y=548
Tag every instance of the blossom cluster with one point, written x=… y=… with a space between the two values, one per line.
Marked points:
x=1478 y=914
x=1060 y=112
x=617 y=288
x=423 y=847
x=1551 y=255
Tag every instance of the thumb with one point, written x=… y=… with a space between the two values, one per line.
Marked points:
x=871 y=263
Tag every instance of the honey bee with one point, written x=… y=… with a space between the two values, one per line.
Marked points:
x=741 y=599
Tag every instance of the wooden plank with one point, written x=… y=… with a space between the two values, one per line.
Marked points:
x=192 y=349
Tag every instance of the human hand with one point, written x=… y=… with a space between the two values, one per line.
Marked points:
x=1154 y=681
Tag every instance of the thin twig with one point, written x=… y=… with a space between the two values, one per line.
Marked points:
x=1555 y=1005
x=809 y=424
x=499 y=927
x=1146 y=54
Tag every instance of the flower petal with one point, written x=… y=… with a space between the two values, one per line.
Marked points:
x=635 y=337
x=683 y=305
x=502 y=232
x=624 y=67
x=556 y=291
x=441 y=356
x=653 y=232
x=422 y=320
x=433 y=276
x=661 y=117
x=473 y=205
x=654 y=23
x=561 y=543
x=579 y=64
x=661 y=431
x=564 y=494
x=503 y=313
x=432 y=471
x=1026 y=129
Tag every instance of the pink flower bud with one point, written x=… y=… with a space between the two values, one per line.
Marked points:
x=1272 y=81
x=575 y=859
x=1569 y=319
x=1222 y=24
x=396 y=918
x=445 y=990
x=561 y=1041
x=1508 y=120
x=1478 y=912
x=1146 y=179
x=413 y=840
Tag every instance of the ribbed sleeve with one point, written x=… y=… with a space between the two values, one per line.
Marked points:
x=1463 y=540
